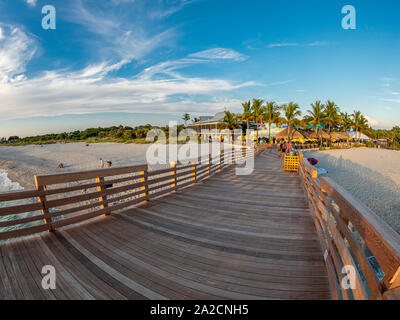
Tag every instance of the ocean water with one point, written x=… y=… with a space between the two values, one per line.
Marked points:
x=6 y=185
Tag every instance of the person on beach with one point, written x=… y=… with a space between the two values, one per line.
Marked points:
x=280 y=148
x=101 y=163
x=287 y=147
x=283 y=147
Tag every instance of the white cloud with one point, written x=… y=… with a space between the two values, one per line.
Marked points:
x=92 y=90
x=220 y=54
x=372 y=122
x=391 y=100
x=128 y=34
x=296 y=44
x=274 y=45
x=16 y=50
x=32 y=3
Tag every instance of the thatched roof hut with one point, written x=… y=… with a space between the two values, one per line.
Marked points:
x=341 y=136
x=294 y=134
x=320 y=134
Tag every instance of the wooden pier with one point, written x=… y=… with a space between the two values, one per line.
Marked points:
x=198 y=231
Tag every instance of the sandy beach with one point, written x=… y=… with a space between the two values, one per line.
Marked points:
x=23 y=163
x=371 y=175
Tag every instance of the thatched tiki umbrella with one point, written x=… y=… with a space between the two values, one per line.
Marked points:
x=341 y=136
x=321 y=134
x=285 y=134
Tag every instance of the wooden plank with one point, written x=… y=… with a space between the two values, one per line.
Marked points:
x=12 y=210
x=22 y=232
x=87 y=175
x=19 y=195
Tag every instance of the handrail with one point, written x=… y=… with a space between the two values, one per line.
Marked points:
x=349 y=232
x=68 y=198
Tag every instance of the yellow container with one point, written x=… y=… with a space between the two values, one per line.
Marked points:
x=291 y=163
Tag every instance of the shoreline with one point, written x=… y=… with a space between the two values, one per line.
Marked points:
x=22 y=163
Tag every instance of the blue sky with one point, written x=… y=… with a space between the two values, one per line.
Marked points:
x=148 y=61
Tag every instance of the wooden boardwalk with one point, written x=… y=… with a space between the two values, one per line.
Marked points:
x=230 y=237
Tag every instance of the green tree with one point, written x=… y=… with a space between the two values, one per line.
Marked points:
x=247 y=114
x=272 y=115
x=345 y=122
x=315 y=115
x=291 y=112
x=359 y=122
x=186 y=117
x=331 y=115
x=258 y=111
x=230 y=122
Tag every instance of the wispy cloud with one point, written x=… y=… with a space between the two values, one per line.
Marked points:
x=278 y=83
x=129 y=34
x=391 y=100
x=220 y=54
x=32 y=3
x=92 y=89
x=16 y=50
x=296 y=44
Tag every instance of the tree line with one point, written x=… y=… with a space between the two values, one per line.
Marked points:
x=328 y=114
x=121 y=133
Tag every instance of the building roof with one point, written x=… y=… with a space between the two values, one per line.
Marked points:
x=294 y=134
x=218 y=117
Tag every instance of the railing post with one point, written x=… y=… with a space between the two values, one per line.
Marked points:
x=173 y=173
x=102 y=188
x=233 y=154
x=209 y=164
x=194 y=173
x=45 y=209
x=145 y=188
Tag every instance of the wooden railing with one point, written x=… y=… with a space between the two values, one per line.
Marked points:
x=64 y=199
x=352 y=235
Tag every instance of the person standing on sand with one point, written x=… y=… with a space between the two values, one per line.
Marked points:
x=101 y=163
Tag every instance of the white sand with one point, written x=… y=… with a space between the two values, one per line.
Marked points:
x=23 y=163
x=371 y=175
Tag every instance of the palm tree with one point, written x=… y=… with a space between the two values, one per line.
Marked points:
x=186 y=117
x=331 y=114
x=271 y=115
x=291 y=112
x=247 y=114
x=258 y=111
x=230 y=122
x=315 y=115
x=358 y=121
x=345 y=121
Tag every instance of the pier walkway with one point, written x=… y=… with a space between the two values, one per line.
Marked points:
x=229 y=237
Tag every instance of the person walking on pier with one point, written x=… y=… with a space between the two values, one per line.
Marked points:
x=281 y=148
